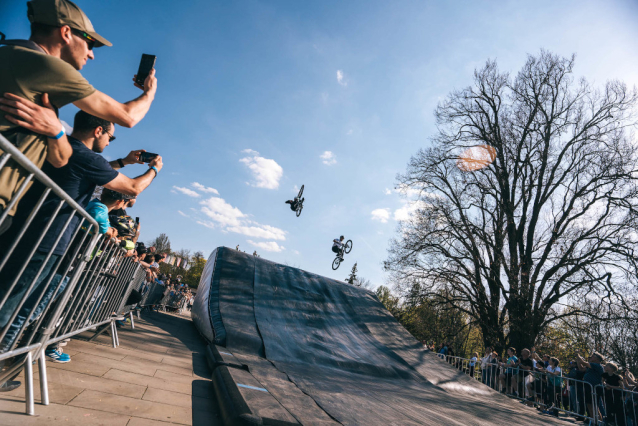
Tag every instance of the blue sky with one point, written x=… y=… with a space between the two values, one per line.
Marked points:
x=253 y=94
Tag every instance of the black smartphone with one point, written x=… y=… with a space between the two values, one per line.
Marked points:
x=147 y=157
x=137 y=220
x=146 y=65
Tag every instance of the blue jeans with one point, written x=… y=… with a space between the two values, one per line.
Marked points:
x=21 y=318
x=23 y=284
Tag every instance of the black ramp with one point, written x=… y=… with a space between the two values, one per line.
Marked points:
x=328 y=352
x=234 y=276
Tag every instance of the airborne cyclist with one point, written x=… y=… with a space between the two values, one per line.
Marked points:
x=295 y=203
x=337 y=246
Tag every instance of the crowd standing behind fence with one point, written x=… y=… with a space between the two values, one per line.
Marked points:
x=67 y=263
x=591 y=390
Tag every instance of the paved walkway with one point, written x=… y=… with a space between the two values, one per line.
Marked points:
x=157 y=376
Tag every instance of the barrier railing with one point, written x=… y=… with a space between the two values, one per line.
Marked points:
x=554 y=394
x=26 y=273
x=152 y=293
x=48 y=295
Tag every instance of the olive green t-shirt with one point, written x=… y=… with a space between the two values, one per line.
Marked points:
x=29 y=73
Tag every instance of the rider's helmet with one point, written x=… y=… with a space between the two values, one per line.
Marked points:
x=341 y=237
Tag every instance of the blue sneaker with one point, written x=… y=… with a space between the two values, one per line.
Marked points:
x=55 y=355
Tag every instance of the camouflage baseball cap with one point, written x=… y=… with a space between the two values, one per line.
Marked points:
x=63 y=12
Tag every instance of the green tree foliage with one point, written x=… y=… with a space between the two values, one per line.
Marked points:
x=194 y=274
x=433 y=323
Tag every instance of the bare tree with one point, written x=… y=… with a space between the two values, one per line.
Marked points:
x=363 y=282
x=610 y=329
x=162 y=244
x=552 y=220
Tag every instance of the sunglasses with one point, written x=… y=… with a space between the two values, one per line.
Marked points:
x=111 y=137
x=90 y=41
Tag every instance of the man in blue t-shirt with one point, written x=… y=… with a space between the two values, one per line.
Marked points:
x=593 y=376
x=85 y=170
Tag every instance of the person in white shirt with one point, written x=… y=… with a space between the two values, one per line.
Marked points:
x=554 y=384
x=337 y=246
x=473 y=361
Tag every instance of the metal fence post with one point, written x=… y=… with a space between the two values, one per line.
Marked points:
x=44 y=382
x=28 y=385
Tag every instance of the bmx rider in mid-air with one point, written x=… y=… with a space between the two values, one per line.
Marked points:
x=295 y=203
x=337 y=246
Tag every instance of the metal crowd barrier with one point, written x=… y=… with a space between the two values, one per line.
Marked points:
x=31 y=280
x=46 y=298
x=99 y=299
x=556 y=394
x=152 y=293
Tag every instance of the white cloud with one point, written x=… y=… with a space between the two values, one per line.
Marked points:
x=328 y=158
x=259 y=231
x=186 y=191
x=297 y=252
x=408 y=209
x=231 y=219
x=341 y=79
x=221 y=212
x=387 y=192
x=265 y=171
x=206 y=223
x=182 y=213
x=349 y=132
x=382 y=215
x=203 y=188
x=267 y=245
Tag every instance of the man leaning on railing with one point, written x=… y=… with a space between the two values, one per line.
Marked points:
x=45 y=70
x=593 y=376
x=84 y=171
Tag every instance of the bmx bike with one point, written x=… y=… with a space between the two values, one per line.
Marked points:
x=347 y=248
x=300 y=202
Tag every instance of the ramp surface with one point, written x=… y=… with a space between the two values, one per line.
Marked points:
x=320 y=351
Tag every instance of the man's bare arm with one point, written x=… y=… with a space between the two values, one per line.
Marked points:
x=39 y=119
x=581 y=361
x=127 y=114
x=133 y=157
x=128 y=186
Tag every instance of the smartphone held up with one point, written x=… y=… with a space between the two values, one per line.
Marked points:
x=147 y=157
x=147 y=63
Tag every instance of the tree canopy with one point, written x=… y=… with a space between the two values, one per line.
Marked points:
x=550 y=222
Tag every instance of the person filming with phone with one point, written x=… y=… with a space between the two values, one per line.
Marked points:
x=45 y=71
x=85 y=170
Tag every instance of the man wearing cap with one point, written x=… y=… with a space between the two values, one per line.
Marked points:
x=84 y=170
x=44 y=71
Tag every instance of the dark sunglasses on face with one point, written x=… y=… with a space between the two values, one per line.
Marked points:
x=90 y=41
x=111 y=137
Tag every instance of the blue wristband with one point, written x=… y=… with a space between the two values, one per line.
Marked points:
x=59 y=135
x=156 y=171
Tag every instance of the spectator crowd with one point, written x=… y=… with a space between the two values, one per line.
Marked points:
x=38 y=77
x=588 y=388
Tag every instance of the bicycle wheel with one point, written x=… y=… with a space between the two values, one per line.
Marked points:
x=300 y=192
x=336 y=263
x=299 y=210
x=348 y=247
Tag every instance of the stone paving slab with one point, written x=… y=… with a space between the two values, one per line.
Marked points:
x=157 y=376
